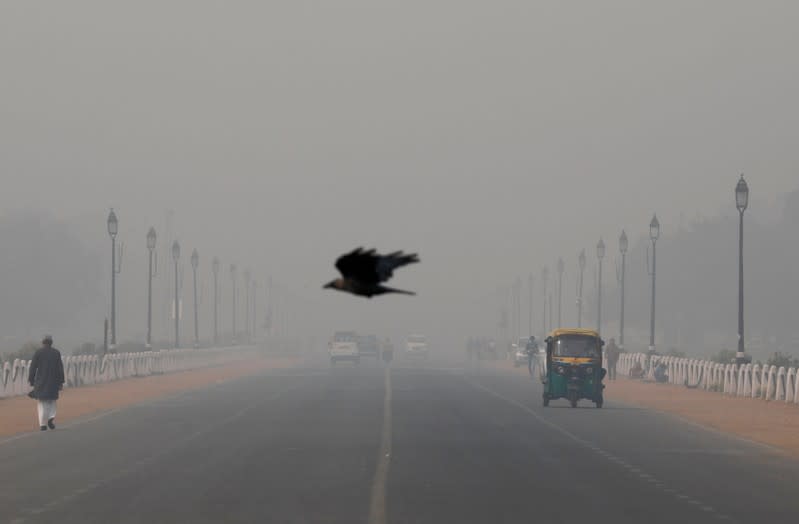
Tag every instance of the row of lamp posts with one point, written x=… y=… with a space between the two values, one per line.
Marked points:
x=654 y=233
x=741 y=203
x=113 y=230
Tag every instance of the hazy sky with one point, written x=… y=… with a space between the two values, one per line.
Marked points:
x=489 y=136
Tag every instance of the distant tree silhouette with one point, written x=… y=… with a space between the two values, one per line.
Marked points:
x=697 y=279
x=48 y=280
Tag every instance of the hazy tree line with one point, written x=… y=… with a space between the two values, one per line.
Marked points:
x=50 y=282
x=697 y=286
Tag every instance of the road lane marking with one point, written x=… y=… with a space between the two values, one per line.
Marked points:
x=630 y=468
x=377 y=505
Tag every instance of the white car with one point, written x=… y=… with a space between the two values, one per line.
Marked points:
x=344 y=346
x=520 y=357
x=416 y=345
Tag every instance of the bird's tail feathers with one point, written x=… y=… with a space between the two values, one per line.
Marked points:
x=386 y=289
x=405 y=259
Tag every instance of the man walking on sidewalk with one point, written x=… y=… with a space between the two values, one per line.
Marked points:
x=612 y=353
x=46 y=375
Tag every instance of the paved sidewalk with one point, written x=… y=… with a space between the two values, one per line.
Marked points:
x=18 y=414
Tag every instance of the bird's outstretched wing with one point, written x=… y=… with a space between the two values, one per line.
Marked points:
x=386 y=264
x=370 y=267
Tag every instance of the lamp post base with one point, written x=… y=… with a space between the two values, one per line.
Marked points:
x=741 y=358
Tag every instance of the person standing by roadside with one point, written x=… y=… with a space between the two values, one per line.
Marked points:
x=612 y=352
x=532 y=354
x=46 y=376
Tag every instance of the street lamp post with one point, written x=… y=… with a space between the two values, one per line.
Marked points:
x=561 y=268
x=175 y=258
x=247 y=307
x=113 y=229
x=654 y=234
x=195 y=262
x=215 y=269
x=741 y=202
x=517 y=304
x=530 y=292
x=233 y=279
x=544 y=282
x=151 y=238
x=623 y=251
x=600 y=254
x=581 y=262
x=254 y=310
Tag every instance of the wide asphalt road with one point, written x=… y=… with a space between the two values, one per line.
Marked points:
x=422 y=442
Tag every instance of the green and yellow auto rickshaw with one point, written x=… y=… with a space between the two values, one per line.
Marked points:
x=573 y=367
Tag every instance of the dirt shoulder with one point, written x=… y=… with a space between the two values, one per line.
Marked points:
x=774 y=423
x=18 y=414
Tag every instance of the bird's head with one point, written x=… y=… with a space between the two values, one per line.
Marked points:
x=334 y=284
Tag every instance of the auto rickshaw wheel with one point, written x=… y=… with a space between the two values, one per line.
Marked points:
x=573 y=398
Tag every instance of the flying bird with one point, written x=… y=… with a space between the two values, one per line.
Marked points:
x=363 y=271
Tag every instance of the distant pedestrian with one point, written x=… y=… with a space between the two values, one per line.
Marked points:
x=660 y=372
x=637 y=371
x=613 y=358
x=532 y=355
x=46 y=376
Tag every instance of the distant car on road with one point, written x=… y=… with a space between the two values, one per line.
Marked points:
x=344 y=346
x=416 y=345
x=368 y=346
x=387 y=351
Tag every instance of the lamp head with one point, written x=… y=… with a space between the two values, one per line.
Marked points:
x=654 y=228
x=741 y=194
x=113 y=223
x=151 y=238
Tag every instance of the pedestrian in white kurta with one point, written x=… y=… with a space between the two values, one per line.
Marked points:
x=46 y=376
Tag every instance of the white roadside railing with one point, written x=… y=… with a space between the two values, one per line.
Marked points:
x=83 y=370
x=748 y=380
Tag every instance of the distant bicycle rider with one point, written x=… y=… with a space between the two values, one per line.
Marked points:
x=531 y=349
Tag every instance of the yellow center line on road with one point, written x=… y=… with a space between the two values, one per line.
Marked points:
x=377 y=506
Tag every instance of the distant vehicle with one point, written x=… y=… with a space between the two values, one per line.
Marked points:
x=416 y=345
x=344 y=346
x=387 y=351
x=368 y=346
x=574 y=367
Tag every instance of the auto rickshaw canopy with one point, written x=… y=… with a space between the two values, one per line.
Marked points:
x=573 y=331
